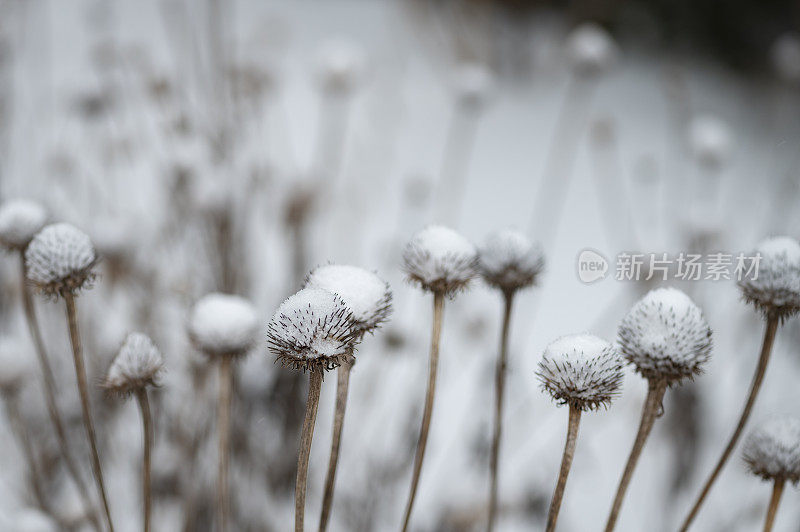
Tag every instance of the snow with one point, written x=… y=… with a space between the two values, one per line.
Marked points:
x=20 y=219
x=508 y=258
x=366 y=294
x=138 y=363
x=57 y=252
x=223 y=324
x=439 y=255
x=772 y=450
x=778 y=249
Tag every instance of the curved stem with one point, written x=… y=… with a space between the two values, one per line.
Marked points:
x=342 y=385
x=758 y=377
x=223 y=441
x=566 y=463
x=775 y=500
x=147 y=427
x=438 y=308
x=500 y=384
x=652 y=405
x=83 y=389
x=301 y=486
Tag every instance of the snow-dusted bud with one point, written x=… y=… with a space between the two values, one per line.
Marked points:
x=666 y=336
x=136 y=366
x=15 y=368
x=440 y=260
x=473 y=84
x=367 y=295
x=590 y=49
x=776 y=287
x=581 y=370
x=313 y=330
x=60 y=260
x=223 y=325
x=785 y=55
x=710 y=141
x=20 y=220
x=509 y=260
x=340 y=66
x=772 y=450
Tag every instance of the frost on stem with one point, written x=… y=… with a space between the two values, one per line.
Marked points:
x=509 y=260
x=776 y=289
x=313 y=330
x=60 y=260
x=440 y=260
x=665 y=336
x=367 y=295
x=581 y=370
x=136 y=366
x=590 y=49
x=223 y=325
x=20 y=220
x=772 y=450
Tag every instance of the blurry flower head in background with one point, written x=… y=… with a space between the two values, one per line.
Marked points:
x=509 y=260
x=341 y=65
x=223 y=325
x=776 y=289
x=710 y=140
x=590 y=49
x=473 y=84
x=20 y=220
x=772 y=450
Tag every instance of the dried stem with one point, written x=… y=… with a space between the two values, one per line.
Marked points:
x=566 y=463
x=500 y=384
x=147 y=427
x=314 y=386
x=774 y=501
x=763 y=360
x=83 y=389
x=342 y=385
x=650 y=412
x=223 y=441
x=438 y=308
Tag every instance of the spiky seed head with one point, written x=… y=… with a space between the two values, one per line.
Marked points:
x=15 y=367
x=440 y=260
x=313 y=330
x=776 y=288
x=60 y=259
x=665 y=336
x=340 y=66
x=473 y=84
x=772 y=450
x=581 y=370
x=136 y=366
x=509 y=260
x=223 y=325
x=590 y=49
x=367 y=295
x=710 y=140
x=20 y=220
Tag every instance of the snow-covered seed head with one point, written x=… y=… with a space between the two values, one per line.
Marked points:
x=772 y=450
x=15 y=367
x=785 y=54
x=60 y=260
x=20 y=220
x=367 y=295
x=440 y=260
x=776 y=288
x=473 y=84
x=313 y=330
x=340 y=66
x=710 y=141
x=590 y=49
x=665 y=336
x=223 y=325
x=136 y=366
x=509 y=260
x=581 y=370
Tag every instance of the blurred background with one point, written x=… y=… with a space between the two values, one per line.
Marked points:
x=232 y=146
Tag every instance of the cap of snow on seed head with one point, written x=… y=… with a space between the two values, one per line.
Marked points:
x=776 y=288
x=509 y=260
x=20 y=220
x=60 y=259
x=581 y=370
x=473 y=84
x=223 y=325
x=136 y=366
x=367 y=296
x=440 y=260
x=772 y=450
x=340 y=66
x=665 y=336
x=590 y=49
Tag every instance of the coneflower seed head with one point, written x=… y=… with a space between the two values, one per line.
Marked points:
x=20 y=220
x=776 y=289
x=136 y=366
x=440 y=260
x=223 y=325
x=509 y=260
x=772 y=450
x=60 y=259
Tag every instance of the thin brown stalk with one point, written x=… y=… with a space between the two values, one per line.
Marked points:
x=758 y=377
x=223 y=441
x=147 y=428
x=438 y=310
x=342 y=384
x=775 y=500
x=500 y=384
x=566 y=463
x=650 y=412
x=20 y=430
x=301 y=486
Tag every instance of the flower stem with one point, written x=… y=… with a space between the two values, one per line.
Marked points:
x=301 y=486
x=83 y=389
x=758 y=377
x=147 y=427
x=777 y=491
x=566 y=463
x=650 y=412
x=500 y=384
x=438 y=308
x=223 y=441
x=342 y=385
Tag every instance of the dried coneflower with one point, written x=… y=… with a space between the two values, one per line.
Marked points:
x=772 y=452
x=585 y=373
x=137 y=367
x=224 y=328
x=370 y=300
x=667 y=339
x=775 y=293
x=60 y=262
x=313 y=331
x=442 y=262
x=508 y=261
